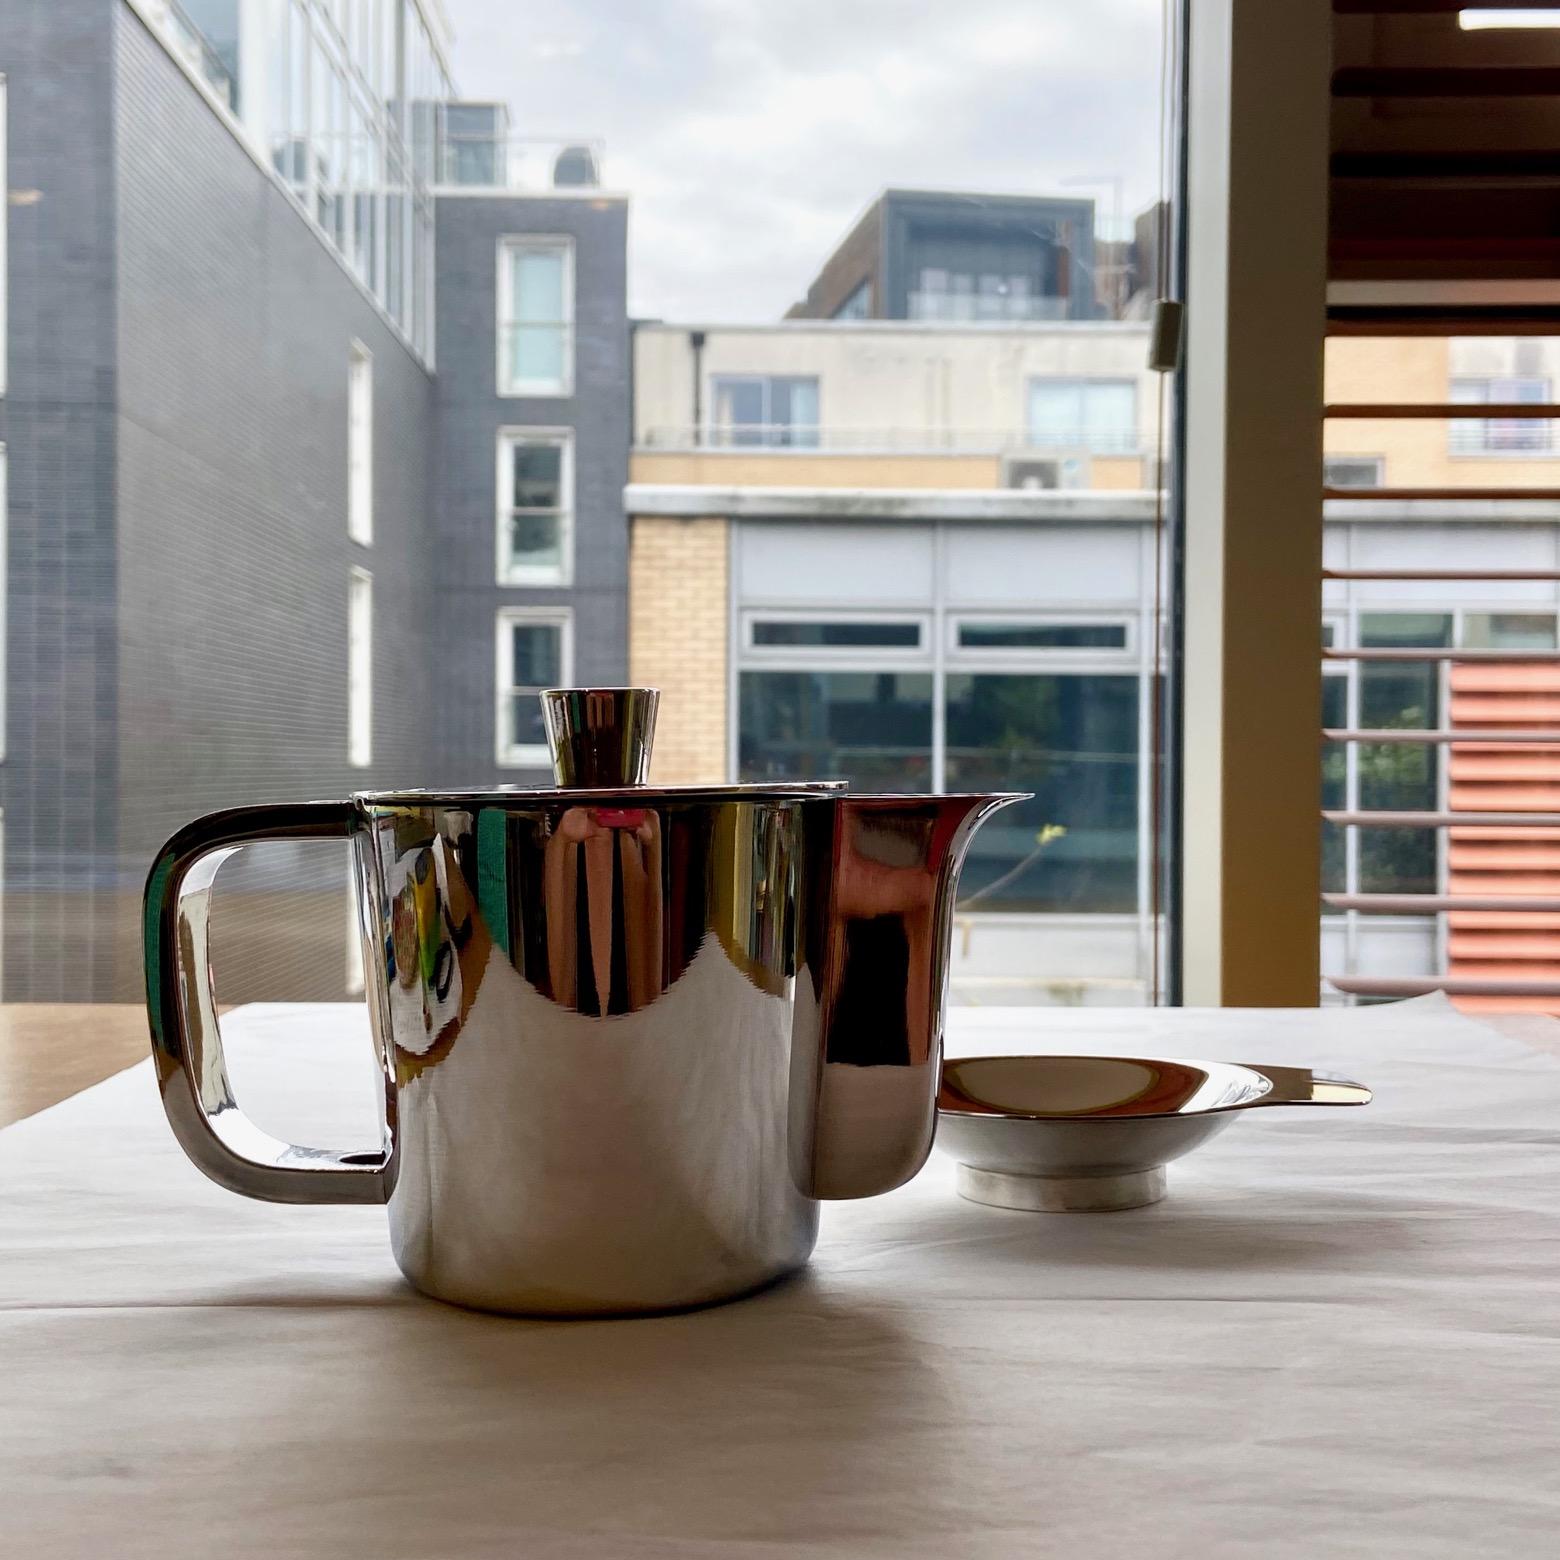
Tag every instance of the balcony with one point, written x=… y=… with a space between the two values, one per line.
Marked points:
x=815 y=438
x=993 y=308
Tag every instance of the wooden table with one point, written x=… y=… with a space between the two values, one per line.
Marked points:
x=51 y=1050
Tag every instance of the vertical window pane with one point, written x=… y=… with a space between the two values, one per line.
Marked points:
x=536 y=542
x=871 y=728
x=1073 y=741
x=360 y=667
x=360 y=446
x=537 y=280
x=538 y=655
x=538 y=473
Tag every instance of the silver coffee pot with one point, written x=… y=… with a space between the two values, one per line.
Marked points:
x=630 y=1036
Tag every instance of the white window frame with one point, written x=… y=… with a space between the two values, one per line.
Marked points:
x=855 y=656
x=1072 y=658
x=551 y=243
x=360 y=444
x=508 y=571
x=360 y=668
x=525 y=755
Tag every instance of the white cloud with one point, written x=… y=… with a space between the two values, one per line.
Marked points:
x=749 y=135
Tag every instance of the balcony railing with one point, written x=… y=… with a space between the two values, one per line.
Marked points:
x=524 y=165
x=992 y=307
x=1081 y=443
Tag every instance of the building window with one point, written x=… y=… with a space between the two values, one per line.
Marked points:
x=360 y=444
x=1098 y=415
x=1052 y=706
x=536 y=316
x=1353 y=471
x=535 y=651
x=788 y=631
x=873 y=728
x=1500 y=435
x=535 y=506
x=1003 y=634
x=764 y=411
x=858 y=306
x=360 y=668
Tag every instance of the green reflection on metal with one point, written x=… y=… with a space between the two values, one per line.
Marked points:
x=492 y=874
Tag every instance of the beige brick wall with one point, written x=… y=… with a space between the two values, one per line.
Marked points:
x=677 y=640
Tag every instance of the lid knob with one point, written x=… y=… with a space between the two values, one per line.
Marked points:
x=600 y=737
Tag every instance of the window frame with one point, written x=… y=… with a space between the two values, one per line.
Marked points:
x=509 y=754
x=842 y=657
x=1378 y=463
x=1079 y=658
x=360 y=444
x=507 y=572
x=1459 y=445
x=510 y=244
x=717 y=435
x=360 y=668
x=1135 y=444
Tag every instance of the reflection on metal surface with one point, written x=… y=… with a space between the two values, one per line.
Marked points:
x=1091 y=1133
x=629 y=1037
x=600 y=736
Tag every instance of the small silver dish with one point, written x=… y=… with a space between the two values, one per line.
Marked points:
x=1072 y=1134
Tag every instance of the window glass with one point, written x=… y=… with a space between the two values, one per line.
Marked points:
x=1096 y=415
x=841 y=635
x=1509 y=630
x=1042 y=636
x=1073 y=741
x=535 y=507
x=1397 y=861
x=769 y=411
x=536 y=317
x=1335 y=782
x=1406 y=630
x=1500 y=435
x=871 y=728
x=533 y=656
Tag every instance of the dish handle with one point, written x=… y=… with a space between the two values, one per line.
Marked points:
x=1301 y=1086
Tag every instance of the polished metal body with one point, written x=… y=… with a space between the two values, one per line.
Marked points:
x=628 y=1036
x=1063 y=1134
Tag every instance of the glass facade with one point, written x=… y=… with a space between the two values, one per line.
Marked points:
x=972 y=704
x=354 y=90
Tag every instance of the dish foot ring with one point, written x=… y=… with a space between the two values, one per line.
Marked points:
x=1062 y=1193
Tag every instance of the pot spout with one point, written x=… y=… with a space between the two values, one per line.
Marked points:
x=883 y=871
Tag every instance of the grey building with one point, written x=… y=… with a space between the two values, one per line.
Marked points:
x=939 y=255
x=307 y=455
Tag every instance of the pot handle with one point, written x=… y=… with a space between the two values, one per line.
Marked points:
x=186 y=1042
x=1301 y=1086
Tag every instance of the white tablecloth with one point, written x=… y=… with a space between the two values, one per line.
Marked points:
x=1340 y=1335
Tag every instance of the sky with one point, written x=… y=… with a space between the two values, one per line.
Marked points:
x=750 y=134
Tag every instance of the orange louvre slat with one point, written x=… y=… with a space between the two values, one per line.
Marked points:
x=1535 y=709
x=1514 y=677
x=1511 y=885
x=1533 y=764
x=1472 y=952
x=1489 y=797
x=1512 y=969
x=1503 y=921
x=1514 y=832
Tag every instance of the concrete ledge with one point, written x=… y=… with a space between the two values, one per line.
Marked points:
x=815 y=503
